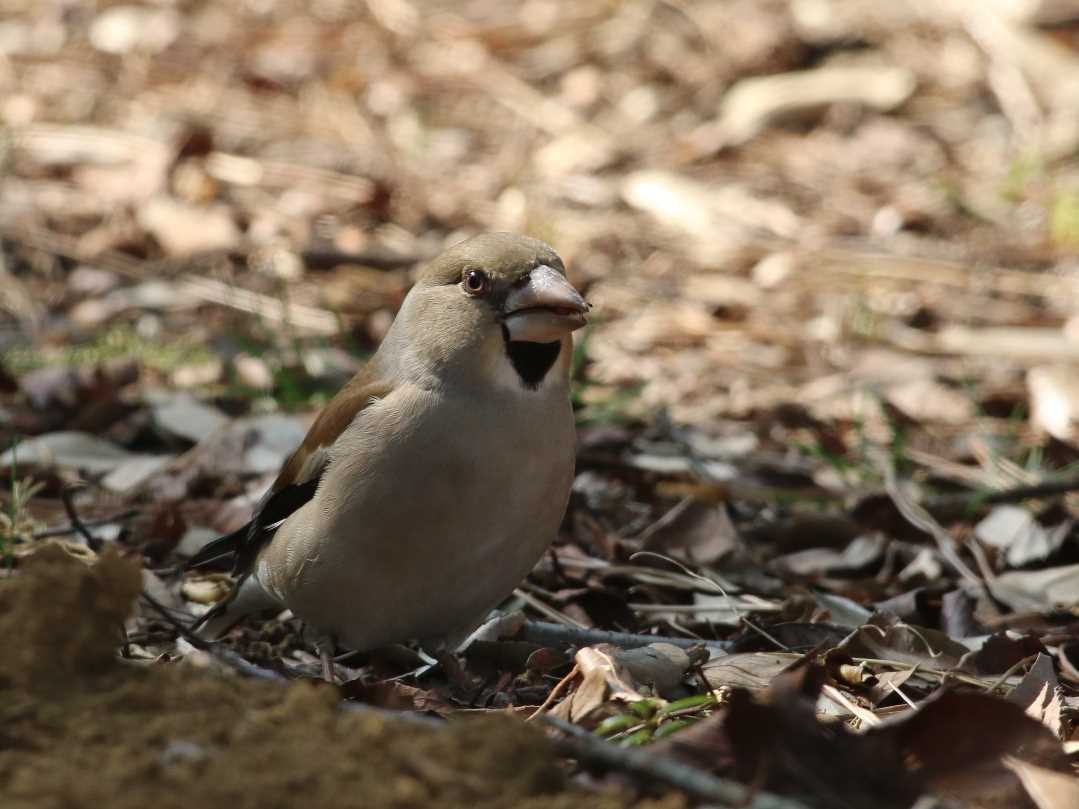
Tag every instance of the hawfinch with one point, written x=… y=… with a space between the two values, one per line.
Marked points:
x=431 y=483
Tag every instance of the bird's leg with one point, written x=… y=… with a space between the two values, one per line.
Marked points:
x=455 y=672
x=324 y=645
x=444 y=655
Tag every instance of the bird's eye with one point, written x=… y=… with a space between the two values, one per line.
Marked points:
x=476 y=282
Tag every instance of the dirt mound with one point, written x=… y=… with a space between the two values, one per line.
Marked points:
x=61 y=618
x=78 y=729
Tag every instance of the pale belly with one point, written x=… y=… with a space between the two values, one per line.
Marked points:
x=439 y=527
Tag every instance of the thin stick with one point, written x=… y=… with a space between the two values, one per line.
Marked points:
x=895 y=688
x=308 y=318
x=226 y=656
x=704 y=609
x=556 y=635
x=961 y=503
x=558 y=689
x=64 y=530
x=1011 y=670
x=917 y=516
x=582 y=745
x=546 y=609
x=67 y=495
x=841 y=699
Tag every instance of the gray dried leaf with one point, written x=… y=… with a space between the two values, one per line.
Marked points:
x=69 y=448
x=1014 y=531
x=184 y=416
x=752 y=670
x=1036 y=590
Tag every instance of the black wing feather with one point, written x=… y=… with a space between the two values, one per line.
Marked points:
x=243 y=544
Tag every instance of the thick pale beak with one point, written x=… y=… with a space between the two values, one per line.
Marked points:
x=544 y=309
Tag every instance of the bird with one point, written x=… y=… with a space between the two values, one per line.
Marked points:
x=431 y=484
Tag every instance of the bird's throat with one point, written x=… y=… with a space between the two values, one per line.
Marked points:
x=532 y=361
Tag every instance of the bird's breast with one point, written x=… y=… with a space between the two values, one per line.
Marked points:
x=431 y=511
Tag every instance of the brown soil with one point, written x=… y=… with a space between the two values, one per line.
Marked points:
x=79 y=728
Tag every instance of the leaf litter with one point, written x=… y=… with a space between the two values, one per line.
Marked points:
x=825 y=504
x=82 y=729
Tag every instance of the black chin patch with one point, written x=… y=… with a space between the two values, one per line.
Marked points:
x=532 y=361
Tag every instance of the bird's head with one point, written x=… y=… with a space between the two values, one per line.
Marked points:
x=493 y=299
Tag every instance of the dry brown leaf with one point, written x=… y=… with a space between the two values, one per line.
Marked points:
x=603 y=679
x=955 y=740
x=753 y=671
x=1048 y=789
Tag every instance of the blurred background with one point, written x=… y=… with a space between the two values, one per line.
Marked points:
x=833 y=368
x=824 y=222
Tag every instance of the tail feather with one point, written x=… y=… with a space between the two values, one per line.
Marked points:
x=218 y=549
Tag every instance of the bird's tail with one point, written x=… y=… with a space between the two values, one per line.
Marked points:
x=220 y=549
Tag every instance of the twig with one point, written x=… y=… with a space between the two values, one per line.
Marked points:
x=702 y=608
x=923 y=670
x=582 y=745
x=65 y=246
x=898 y=692
x=917 y=516
x=556 y=635
x=302 y=316
x=1003 y=678
x=960 y=504
x=67 y=495
x=1004 y=75
x=63 y=530
x=841 y=699
x=853 y=258
x=544 y=608
x=756 y=605
x=226 y=656
x=559 y=687
x=764 y=634
x=665 y=520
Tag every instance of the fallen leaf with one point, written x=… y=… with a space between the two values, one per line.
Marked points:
x=773 y=738
x=753 y=671
x=131 y=474
x=1038 y=590
x=861 y=556
x=182 y=415
x=1048 y=789
x=1038 y=693
x=183 y=229
x=885 y=637
x=603 y=679
x=955 y=740
x=659 y=665
x=1054 y=400
x=1015 y=532
x=69 y=448
x=999 y=652
x=697 y=532
x=1036 y=685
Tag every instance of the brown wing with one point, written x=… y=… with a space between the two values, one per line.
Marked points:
x=299 y=476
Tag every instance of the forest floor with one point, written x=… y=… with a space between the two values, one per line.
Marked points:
x=828 y=407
